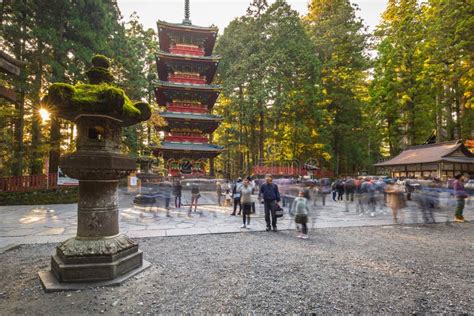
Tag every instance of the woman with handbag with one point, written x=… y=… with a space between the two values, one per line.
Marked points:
x=301 y=210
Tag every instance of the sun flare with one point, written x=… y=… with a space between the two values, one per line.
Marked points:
x=45 y=115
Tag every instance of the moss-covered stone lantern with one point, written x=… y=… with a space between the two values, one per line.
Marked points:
x=99 y=252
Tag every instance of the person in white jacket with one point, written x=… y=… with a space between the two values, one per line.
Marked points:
x=300 y=210
x=245 y=191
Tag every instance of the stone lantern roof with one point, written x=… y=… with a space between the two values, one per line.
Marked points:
x=99 y=97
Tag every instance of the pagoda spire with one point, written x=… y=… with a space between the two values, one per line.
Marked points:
x=186 y=13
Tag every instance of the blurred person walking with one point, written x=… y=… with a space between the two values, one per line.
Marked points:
x=396 y=199
x=195 y=195
x=324 y=189
x=340 y=189
x=219 y=193
x=360 y=195
x=334 y=190
x=300 y=210
x=177 y=192
x=349 y=189
x=461 y=195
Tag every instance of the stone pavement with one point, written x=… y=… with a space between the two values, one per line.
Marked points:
x=54 y=223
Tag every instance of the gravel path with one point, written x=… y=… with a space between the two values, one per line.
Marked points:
x=387 y=269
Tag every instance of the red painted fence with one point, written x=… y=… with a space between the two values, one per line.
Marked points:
x=29 y=183
x=290 y=171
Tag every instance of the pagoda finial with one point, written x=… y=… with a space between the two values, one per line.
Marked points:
x=186 y=13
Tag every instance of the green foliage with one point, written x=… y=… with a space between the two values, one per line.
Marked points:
x=99 y=75
x=340 y=42
x=92 y=98
x=270 y=77
x=422 y=79
x=66 y=195
x=101 y=61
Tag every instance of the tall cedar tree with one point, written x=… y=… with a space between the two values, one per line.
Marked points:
x=340 y=43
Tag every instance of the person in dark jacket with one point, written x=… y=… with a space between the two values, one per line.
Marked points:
x=236 y=196
x=340 y=189
x=271 y=195
x=177 y=192
x=349 y=189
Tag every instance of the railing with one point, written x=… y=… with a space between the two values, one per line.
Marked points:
x=192 y=139
x=291 y=171
x=194 y=173
x=29 y=183
x=187 y=50
x=185 y=78
x=279 y=170
x=188 y=109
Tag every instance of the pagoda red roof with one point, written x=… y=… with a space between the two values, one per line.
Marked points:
x=180 y=150
x=207 y=94
x=208 y=35
x=208 y=64
x=205 y=122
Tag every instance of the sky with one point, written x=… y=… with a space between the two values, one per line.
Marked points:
x=220 y=13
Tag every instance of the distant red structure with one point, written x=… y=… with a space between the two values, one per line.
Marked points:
x=186 y=69
x=291 y=171
x=29 y=183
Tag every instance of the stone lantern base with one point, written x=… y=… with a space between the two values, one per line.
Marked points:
x=81 y=263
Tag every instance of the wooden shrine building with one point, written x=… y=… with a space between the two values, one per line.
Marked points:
x=441 y=161
x=186 y=69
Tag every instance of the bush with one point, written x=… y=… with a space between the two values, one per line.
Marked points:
x=66 y=195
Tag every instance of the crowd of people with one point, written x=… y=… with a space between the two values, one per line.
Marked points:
x=372 y=193
x=365 y=195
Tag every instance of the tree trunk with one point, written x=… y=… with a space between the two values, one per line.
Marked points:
x=241 y=128
x=457 y=110
x=58 y=76
x=36 y=163
x=18 y=147
x=439 y=120
x=449 y=113
x=261 y=132
x=55 y=142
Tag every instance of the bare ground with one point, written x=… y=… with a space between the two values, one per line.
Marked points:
x=388 y=269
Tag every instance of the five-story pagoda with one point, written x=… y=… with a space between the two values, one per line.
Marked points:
x=186 y=69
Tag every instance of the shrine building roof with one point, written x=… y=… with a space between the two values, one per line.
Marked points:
x=453 y=151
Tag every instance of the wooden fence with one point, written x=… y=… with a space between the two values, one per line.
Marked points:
x=29 y=183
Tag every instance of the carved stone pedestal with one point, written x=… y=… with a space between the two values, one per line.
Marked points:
x=99 y=253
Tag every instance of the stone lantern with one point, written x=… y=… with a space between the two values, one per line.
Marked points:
x=99 y=252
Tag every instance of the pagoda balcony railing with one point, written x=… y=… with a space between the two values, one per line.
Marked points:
x=187 y=50
x=185 y=78
x=190 y=139
x=177 y=173
x=187 y=109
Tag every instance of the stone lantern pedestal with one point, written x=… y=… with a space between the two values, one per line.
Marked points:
x=99 y=254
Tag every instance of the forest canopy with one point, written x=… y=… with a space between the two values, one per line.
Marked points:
x=316 y=88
